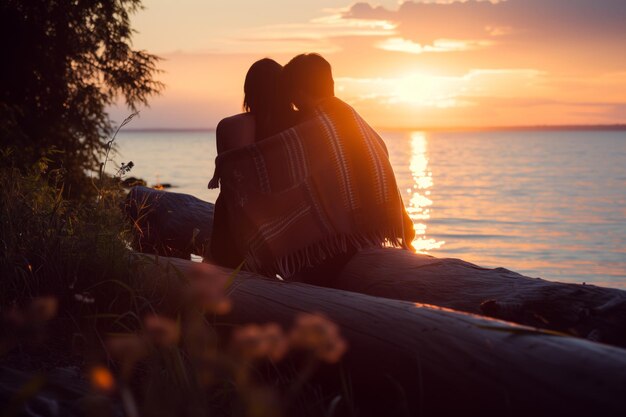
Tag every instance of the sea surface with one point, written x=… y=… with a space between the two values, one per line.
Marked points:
x=548 y=204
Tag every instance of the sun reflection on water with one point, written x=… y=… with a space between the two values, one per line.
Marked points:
x=419 y=202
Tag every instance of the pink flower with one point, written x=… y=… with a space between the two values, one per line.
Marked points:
x=247 y=342
x=162 y=331
x=208 y=288
x=254 y=342
x=276 y=342
x=127 y=350
x=319 y=335
x=127 y=347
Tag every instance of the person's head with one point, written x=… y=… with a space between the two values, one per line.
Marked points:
x=264 y=97
x=260 y=85
x=308 y=78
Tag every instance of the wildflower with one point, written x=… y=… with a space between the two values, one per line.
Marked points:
x=208 y=288
x=101 y=379
x=162 y=331
x=332 y=351
x=319 y=335
x=275 y=341
x=254 y=342
x=222 y=307
x=127 y=350
x=247 y=342
x=130 y=346
x=43 y=308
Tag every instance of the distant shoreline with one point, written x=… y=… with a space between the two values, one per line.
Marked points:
x=614 y=127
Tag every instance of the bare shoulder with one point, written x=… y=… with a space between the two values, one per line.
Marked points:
x=235 y=131
x=235 y=122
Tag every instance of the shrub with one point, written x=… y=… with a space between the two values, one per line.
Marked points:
x=51 y=245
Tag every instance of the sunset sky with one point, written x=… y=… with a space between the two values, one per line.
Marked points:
x=412 y=64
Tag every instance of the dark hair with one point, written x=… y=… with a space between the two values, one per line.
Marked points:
x=264 y=97
x=310 y=73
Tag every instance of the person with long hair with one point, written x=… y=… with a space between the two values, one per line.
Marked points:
x=304 y=200
x=267 y=111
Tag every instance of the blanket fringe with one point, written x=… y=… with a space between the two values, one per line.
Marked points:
x=289 y=265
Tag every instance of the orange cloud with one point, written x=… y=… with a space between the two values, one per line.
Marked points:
x=438 y=45
x=436 y=63
x=589 y=33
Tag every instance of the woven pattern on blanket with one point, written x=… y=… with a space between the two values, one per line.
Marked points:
x=310 y=192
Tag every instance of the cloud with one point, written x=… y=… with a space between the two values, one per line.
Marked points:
x=426 y=63
x=439 y=45
x=565 y=28
x=485 y=97
x=426 y=92
x=426 y=22
x=317 y=34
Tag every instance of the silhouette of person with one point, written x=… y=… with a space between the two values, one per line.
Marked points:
x=267 y=108
x=301 y=201
x=267 y=111
x=308 y=82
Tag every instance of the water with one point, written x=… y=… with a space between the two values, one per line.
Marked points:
x=549 y=204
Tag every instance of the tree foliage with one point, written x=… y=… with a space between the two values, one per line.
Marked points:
x=63 y=63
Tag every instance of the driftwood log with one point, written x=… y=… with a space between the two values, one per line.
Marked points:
x=414 y=359
x=589 y=311
x=167 y=223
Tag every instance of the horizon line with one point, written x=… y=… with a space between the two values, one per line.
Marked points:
x=584 y=127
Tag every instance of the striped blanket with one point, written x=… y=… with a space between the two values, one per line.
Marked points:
x=311 y=192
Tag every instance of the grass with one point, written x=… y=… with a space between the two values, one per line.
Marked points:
x=67 y=296
x=51 y=245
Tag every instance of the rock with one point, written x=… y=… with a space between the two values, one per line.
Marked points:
x=133 y=182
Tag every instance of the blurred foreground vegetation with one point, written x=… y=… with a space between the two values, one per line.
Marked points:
x=53 y=245
x=70 y=287
x=71 y=295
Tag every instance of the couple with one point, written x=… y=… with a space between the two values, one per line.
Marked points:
x=304 y=181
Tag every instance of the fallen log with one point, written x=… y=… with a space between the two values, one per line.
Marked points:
x=169 y=224
x=414 y=359
x=587 y=311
